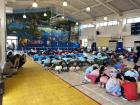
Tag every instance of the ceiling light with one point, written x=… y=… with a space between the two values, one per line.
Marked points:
x=77 y=23
x=45 y=14
x=105 y=18
x=35 y=5
x=88 y=9
x=24 y=16
x=65 y=3
x=62 y=17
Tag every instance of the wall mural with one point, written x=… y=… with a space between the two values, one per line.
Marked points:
x=36 y=29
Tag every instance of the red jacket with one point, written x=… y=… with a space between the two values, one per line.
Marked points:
x=130 y=90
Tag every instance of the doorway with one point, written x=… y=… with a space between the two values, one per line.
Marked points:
x=10 y=41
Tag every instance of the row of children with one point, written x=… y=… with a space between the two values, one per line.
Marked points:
x=65 y=60
x=116 y=82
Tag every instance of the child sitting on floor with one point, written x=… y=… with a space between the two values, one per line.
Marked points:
x=113 y=85
x=102 y=78
x=88 y=71
x=64 y=66
x=58 y=67
x=130 y=89
x=93 y=75
x=132 y=73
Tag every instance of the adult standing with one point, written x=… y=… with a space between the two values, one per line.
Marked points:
x=138 y=51
x=135 y=58
x=13 y=47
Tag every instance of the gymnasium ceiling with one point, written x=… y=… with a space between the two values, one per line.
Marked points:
x=77 y=8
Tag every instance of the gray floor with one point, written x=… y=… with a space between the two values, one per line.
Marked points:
x=92 y=90
x=95 y=92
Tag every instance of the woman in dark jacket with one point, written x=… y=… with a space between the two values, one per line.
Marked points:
x=135 y=58
x=22 y=60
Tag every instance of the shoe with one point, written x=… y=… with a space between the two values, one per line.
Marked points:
x=114 y=94
x=85 y=81
x=102 y=86
x=124 y=98
x=99 y=85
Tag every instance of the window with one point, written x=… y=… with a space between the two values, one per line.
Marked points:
x=12 y=37
x=110 y=23
x=114 y=22
x=119 y=22
x=105 y=23
x=101 y=24
x=90 y=25
x=133 y=20
x=87 y=26
x=10 y=40
x=137 y=19
x=84 y=42
x=130 y=20
x=97 y=25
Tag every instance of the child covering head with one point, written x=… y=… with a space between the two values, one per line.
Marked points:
x=102 y=69
x=91 y=68
x=93 y=75
x=88 y=71
x=64 y=66
x=113 y=85
x=104 y=77
x=130 y=88
x=132 y=73
x=58 y=67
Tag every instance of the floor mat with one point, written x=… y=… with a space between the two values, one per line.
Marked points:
x=34 y=86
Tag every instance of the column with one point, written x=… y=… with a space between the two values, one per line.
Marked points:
x=2 y=42
x=2 y=31
x=121 y=25
x=94 y=44
x=119 y=47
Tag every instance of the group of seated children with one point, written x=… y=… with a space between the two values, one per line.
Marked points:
x=13 y=63
x=61 y=61
x=117 y=82
x=70 y=60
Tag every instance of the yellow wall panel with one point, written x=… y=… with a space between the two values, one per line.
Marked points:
x=103 y=41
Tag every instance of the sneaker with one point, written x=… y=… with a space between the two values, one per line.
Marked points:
x=85 y=81
x=124 y=98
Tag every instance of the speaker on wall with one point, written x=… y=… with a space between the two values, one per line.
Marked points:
x=97 y=32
